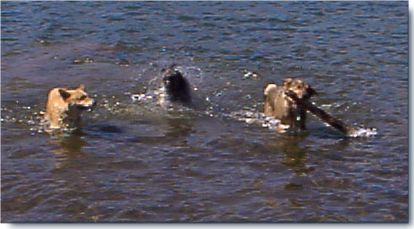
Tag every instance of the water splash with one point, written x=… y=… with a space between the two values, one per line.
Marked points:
x=259 y=119
x=363 y=132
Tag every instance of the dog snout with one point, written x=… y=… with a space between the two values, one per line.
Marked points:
x=91 y=106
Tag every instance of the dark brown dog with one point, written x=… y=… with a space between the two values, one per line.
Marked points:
x=177 y=88
x=280 y=106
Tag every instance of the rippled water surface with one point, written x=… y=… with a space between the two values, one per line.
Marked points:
x=138 y=162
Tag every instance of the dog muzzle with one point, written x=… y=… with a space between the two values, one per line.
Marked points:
x=86 y=107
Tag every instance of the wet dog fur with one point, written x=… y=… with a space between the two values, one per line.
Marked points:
x=65 y=106
x=176 y=86
x=280 y=106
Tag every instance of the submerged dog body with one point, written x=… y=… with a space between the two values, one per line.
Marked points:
x=280 y=106
x=64 y=107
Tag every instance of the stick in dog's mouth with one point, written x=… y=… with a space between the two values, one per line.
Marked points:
x=87 y=108
x=321 y=114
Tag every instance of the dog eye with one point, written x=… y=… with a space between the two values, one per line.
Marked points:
x=82 y=97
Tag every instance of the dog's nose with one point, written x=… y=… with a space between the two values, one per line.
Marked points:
x=94 y=103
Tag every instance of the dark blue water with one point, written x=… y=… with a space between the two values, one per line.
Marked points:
x=140 y=163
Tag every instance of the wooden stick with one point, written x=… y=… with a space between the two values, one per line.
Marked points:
x=321 y=114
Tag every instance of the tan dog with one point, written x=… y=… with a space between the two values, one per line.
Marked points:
x=280 y=106
x=64 y=107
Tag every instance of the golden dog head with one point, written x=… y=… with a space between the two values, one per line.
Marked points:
x=77 y=98
x=300 y=88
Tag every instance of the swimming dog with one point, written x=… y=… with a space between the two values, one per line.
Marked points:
x=64 y=107
x=280 y=106
x=176 y=86
x=172 y=87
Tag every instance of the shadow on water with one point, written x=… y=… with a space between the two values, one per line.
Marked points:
x=69 y=147
x=103 y=130
x=295 y=155
x=180 y=127
x=175 y=132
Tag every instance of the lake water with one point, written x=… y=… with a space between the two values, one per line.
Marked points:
x=134 y=162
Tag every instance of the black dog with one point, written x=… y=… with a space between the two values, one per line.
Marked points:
x=176 y=87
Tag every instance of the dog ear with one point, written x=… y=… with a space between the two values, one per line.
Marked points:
x=173 y=66
x=64 y=94
x=268 y=88
x=265 y=92
x=311 y=91
x=82 y=87
x=287 y=82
